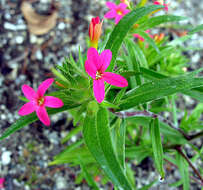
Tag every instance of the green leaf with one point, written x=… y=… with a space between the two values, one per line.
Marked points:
x=73 y=132
x=154 y=21
x=26 y=120
x=121 y=29
x=158 y=89
x=196 y=93
x=169 y=133
x=132 y=63
x=118 y=132
x=196 y=29
x=97 y=137
x=153 y=59
x=157 y=146
x=138 y=153
x=71 y=156
x=88 y=177
x=184 y=172
x=119 y=95
x=148 y=39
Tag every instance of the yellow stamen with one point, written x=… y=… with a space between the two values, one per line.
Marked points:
x=119 y=12
x=98 y=75
x=40 y=101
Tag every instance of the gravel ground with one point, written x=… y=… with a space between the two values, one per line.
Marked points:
x=26 y=59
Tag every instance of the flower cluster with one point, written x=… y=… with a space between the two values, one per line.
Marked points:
x=95 y=66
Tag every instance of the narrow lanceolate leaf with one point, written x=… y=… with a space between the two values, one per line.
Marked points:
x=97 y=137
x=196 y=29
x=121 y=29
x=118 y=133
x=157 y=146
x=154 y=21
x=87 y=176
x=26 y=120
x=184 y=171
x=158 y=89
x=196 y=93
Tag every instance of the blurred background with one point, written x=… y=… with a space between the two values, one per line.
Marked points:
x=35 y=35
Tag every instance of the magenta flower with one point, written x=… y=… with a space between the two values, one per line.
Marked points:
x=37 y=101
x=95 y=66
x=116 y=11
x=2 y=182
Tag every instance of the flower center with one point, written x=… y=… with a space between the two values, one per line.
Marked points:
x=98 y=75
x=40 y=101
x=119 y=12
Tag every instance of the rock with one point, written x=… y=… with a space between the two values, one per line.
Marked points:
x=39 y=54
x=61 y=26
x=19 y=39
x=61 y=183
x=6 y=157
x=33 y=38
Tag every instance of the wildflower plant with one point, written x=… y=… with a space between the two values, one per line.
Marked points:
x=118 y=92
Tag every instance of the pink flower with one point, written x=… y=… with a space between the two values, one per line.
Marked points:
x=161 y=2
x=95 y=66
x=37 y=101
x=2 y=182
x=116 y=11
x=140 y=37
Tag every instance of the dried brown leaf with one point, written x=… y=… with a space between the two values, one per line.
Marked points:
x=38 y=24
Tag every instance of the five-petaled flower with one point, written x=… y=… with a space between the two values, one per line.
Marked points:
x=161 y=2
x=95 y=30
x=116 y=11
x=95 y=66
x=37 y=101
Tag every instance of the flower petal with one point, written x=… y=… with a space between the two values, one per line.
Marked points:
x=118 y=18
x=29 y=92
x=26 y=109
x=122 y=6
x=111 y=5
x=90 y=68
x=99 y=90
x=93 y=57
x=105 y=59
x=43 y=115
x=53 y=102
x=44 y=86
x=126 y=11
x=111 y=14
x=115 y=79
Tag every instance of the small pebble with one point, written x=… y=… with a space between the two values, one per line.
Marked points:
x=6 y=157
x=33 y=39
x=39 y=55
x=61 y=183
x=61 y=26
x=19 y=39
x=3 y=116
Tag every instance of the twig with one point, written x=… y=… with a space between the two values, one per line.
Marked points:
x=191 y=177
x=125 y=114
x=178 y=148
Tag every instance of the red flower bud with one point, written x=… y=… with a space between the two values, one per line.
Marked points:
x=95 y=30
